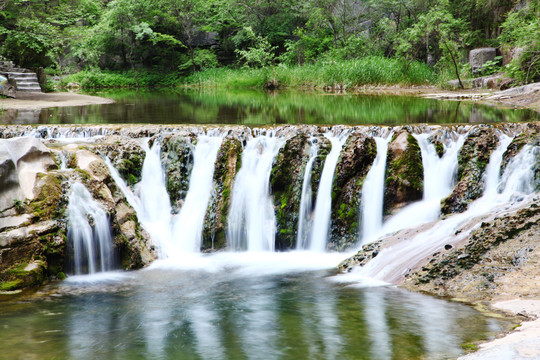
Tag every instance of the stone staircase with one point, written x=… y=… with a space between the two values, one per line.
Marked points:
x=25 y=80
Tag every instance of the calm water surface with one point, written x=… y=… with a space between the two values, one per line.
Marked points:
x=214 y=106
x=188 y=314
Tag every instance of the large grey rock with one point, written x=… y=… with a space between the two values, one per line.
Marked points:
x=20 y=160
x=6 y=87
x=479 y=57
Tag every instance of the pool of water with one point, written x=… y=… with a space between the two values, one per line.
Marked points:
x=234 y=311
x=196 y=106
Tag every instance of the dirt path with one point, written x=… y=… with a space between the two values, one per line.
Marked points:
x=36 y=101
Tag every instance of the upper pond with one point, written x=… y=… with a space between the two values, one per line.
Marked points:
x=256 y=108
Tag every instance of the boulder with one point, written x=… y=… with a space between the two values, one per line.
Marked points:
x=404 y=172
x=7 y=88
x=478 y=57
x=21 y=159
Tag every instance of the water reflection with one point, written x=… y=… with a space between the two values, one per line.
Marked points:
x=250 y=107
x=179 y=314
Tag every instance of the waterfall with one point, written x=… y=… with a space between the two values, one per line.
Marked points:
x=373 y=192
x=439 y=172
x=439 y=180
x=188 y=225
x=323 y=204
x=154 y=209
x=519 y=174
x=183 y=233
x=304 y=215
x=251 y=223
x=493 y=169
x=516 y=182
x=92 y=243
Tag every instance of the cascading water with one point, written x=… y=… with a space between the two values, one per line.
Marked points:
x=183 y=233
x=373 y=192
x=323 y=204
x=519 y=174
x=188 y=225
x=92 y=243
x=251 y=223
x=304 y=215
x=516 y=182
x=154 y=208
x=439 y=179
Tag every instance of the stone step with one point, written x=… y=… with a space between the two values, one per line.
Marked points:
x=26 y=81
x=22 y=75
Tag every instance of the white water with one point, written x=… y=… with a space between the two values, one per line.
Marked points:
x=181 y=233
x=515 y=184
x=373 y=193
x=251 y=224
x=323 y=204
x=439 y=180
x=154 y=209
x=188 y=225
x=92 y=245
x=305 y=221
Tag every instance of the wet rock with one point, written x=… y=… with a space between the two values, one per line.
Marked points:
x=404 y=172
x=492 y=260
x=362 y=257
x=177 y=159
x=286 y=184
x=473 y=159
x=354 y=163
x=228 y=163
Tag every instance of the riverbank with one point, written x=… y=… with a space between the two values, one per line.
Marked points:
x=520 y=344
x=37 y=101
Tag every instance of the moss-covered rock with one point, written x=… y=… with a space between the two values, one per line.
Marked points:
x=227 y=164
x=126 y=155
x=355 y=160
x=404 y=172
x=473 y=159
x=177 y=159
x=475 y=270
x=286 y=185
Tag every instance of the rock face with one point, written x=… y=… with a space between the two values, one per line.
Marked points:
x=496 y=258
x=34 y=244
x=354 y=163
x=478 y=57
x=286 y=184
x=473 y=159
x=404 y=172
x=177 y=158
x=227 y=165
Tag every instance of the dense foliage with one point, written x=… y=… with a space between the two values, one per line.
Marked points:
x=183 y=37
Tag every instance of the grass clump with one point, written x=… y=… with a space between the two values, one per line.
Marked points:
x=97 y=79
x=371 y=70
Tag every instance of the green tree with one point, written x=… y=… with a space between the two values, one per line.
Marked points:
x=437 y=27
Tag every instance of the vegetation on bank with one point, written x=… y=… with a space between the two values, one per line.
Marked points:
x=373 y=70
x=300 y=42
